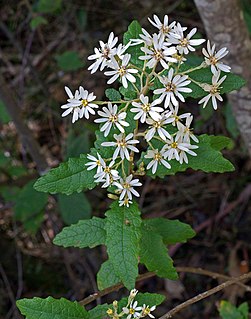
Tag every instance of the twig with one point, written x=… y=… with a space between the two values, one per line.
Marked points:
x=204 y=295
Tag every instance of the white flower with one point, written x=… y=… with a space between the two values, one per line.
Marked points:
x=120 y=51
x=158 y=53
x=173 y=115
x=132 y=311
x=184 y=43
x=157 y=158
x=212 y=58
x=157 y=127
x=164 y=28
x=127 y=187
x=133 y=293
x=107 y=175
x=79 y=103
x=173 y=85
x=123 y=145
x=146 y=311
x=111 y=117
x=176 y=149
x=214 y=90
x=121 y=71
x=125 y=202
x=185 y=132
x=103 y=54
x=145 y=108
x=95 y=162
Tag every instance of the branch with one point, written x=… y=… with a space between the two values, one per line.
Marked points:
x=205 y=294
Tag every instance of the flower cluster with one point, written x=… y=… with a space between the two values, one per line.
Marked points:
x=131 y=310
x=147 y=132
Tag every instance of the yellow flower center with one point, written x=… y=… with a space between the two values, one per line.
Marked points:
x=157 y=124
x=122 y=143
x=109 y=312
x=146 y=107
x=213 y=60
x=113 y=118
x=131 y=311
x=106 y=52
x=84 y=103
x=184 y=42
x=146 y=311
x=165 y=29
x=126 y=185
x=98 y=162
x=178 y=57
x=158 y=55
x=122 y=71
x=174 y=145
x=214 y=89
x=176 y=118
x=170 y=87
x=157 y=157
x=107 y=170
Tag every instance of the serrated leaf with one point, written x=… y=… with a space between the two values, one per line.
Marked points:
x=154 y=254
x=86 y=233
x=171 y=231
x=220 y=142
x=208 y=159
x=77 y=145
x=69 y=61
x=82 y=207
x=129 y=93
x=112 y=94
x=50 y=308
x=69 y=177
x=149 y=299
x=133 y=32
x=122 y=240
x=106 y=276
x=229 y=311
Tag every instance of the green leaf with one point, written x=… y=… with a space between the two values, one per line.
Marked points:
x=4 y=115
x=129 y=93
x=77 y=145
x=50 y=308
x=112 y=95
x=133 y=32
x=37 y=21
x=82 y=207
x=154 y=254
x=171 y=231
x=106 y=276
x=220 y=142
x=229 y=311
x=69 y=177
x=48 y=6
x=149 y=299
x=86 y=233
x=208 y=158
x=122 y=240
x=29 y=204
x=231 y=124
x=99 y=311
x=69 y=61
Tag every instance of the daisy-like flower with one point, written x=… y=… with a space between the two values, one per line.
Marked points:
x=185 y=133
x=157 y=159
x=176 y=149
x=146 y=311
x=132 y=311
x=159 y=52
x=174 y=117
x=214 y=90
x=173 y=85
x=103 y=54
x=123 y=144
x=127 y=187
x=79 y=103
x=145 y=108
x=107 y=175
x=157 y=127
x=110 y=117
x=164 y=28
x=212 y=58
x=121 y=71
x=145 y=38
x=125 y=202
x=183 y=43
x=95 y=162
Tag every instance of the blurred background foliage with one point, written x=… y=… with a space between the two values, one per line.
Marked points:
x=44 y=46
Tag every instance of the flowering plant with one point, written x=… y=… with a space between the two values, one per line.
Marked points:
x=143 y=131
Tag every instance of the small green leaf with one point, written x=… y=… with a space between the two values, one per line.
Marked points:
x=133 y=32
x=149 y=299
x=50 y=308
x=112 y=94
x=4 y=115
x=229 y=311
x=243 y=309
x=106 y=276
x=122 y=240
x=69 y=61
x=69 y=177
x=154 y=254
x=86 y=233
x=37 y=21
x=29 y=204
x=82 y=207
x=48 y=6
x=171 y=231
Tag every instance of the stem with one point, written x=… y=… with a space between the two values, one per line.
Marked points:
x=202 y=65
x=113 y=102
